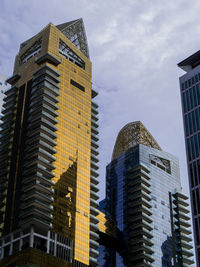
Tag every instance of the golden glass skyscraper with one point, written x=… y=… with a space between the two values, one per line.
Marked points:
x=49 y=153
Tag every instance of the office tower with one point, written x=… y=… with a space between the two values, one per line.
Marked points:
x=144 y=200
x=48 y=153
x=190 y=98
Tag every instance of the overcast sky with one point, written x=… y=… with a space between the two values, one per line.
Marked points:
x=134 y=46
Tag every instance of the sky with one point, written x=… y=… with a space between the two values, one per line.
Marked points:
x=134 y=47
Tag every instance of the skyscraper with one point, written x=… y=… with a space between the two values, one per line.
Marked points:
x=48 y=153
x=190 y=97
x=144 y=200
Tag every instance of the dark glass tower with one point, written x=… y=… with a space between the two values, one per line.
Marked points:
x=190 y=98
x=144 y=200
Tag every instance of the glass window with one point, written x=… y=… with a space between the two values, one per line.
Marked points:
x=198 y=93
x=193 y=148
x=186 y=84
x=186 y=125
x=196 y=78
x=196 y=230
x=196 y=145
x=193 y=80
x=189 y=82
x=182 y=86
x=190 y=123
x=191 y=175
x=189 y=149
x=197 y=118
x=188 y=102
x=194 y=95
x=184 y=102
x=191 y=98
x=194 y=121
x=195 y=174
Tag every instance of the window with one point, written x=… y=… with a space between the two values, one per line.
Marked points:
x=78 y=85
x=161 y=163
x=31 y=52
x=67 y=52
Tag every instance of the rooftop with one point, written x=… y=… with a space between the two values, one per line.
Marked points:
x=132 y=134
x=190 y=62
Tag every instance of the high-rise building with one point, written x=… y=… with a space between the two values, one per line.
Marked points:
x=48 y=153
x=190 y=97
x=145 y=202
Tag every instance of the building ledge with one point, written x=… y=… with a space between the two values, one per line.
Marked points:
x=47 y=57
x=13 y=79
x=190 y=62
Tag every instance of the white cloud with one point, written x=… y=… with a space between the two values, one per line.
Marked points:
x=134 y=47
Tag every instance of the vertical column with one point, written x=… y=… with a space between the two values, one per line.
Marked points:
x=21 y=241
x=31 y=240
x=2 y=249
x=55 y=245
x=48 y=242
x=11 y=244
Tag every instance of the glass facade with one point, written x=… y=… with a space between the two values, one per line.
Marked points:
x=49 y=138
x=190 y=96
x=139 y=182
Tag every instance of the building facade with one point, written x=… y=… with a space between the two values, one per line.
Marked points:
x=190 y=97
x=48 y=152
x=142 y=190
x=3 y=87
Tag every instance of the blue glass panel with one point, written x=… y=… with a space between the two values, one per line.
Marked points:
x=194 y=95
x=197 y=118
x=191 y=175
x=190 y=123
x=188 y=102
x=198 y=93
x=193 y=80
x=196 y=145
x=189 y=149
x=194 y=121
x=186 y=124
x=191 y=98
x=192 y=148
x=184 y=102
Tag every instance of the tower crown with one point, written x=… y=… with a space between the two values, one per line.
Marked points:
x=75 y=32
x=132 y=134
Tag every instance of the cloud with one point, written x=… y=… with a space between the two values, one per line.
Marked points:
x=134 y=47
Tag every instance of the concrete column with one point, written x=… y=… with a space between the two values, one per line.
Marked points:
x=2 y=249
x=11 y=244
x=48 y=242
x=21 y=241
x=55 y=245
x=31 y=240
